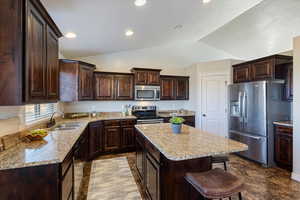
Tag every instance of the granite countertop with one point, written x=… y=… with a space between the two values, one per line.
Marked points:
x=284 y=123
x=54 y=148
x=179 y=113
x=190 y=144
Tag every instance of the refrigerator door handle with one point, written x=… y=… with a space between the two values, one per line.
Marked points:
x=247 y=135
x=241 y=119
x=245 y=112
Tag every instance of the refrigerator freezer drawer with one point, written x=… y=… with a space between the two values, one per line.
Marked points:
x=257 y=146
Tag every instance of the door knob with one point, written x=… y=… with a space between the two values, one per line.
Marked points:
x=204 y=115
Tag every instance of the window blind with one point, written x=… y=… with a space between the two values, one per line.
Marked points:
x=38 y=112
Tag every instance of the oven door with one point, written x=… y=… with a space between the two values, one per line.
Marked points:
x=146 y=93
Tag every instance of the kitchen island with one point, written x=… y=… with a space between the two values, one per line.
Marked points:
x=163 y=158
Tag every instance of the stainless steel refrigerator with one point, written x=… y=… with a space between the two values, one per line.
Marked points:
x=254 y=106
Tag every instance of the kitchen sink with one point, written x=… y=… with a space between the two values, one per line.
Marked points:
x=66 y=126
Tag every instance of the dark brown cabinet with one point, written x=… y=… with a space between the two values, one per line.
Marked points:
x=112 y=135
x=289 y=82
x=152 y=179
x=36 y=69
x=85 y=82
x=146 y=76
x=268 y=68
x=113 y=86
x=104 y=86
x=52 y=66
x=128 y=134
x=167 y=88
x=174 y=88
x=76 y=80
x=262 y=70
x=96 y=139
x=241 y=73
x=284 y=147
x=28 y=53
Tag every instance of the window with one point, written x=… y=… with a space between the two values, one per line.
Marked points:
x=38 y=112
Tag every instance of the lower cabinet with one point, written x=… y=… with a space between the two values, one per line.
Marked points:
x=95 y=143
x=284 y=147
x=148 y=168
x=152 y=171
x=111 y=136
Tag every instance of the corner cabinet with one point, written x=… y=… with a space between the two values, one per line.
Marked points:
x=113 y=86
x=76 y=80
x=174 y=88
x=28 y=53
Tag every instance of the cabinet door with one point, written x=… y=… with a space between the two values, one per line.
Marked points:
x=289 y=83
x=128 y=137
x=152 y=180
x=153 y=78
x=36 y=89
x=262 y=70
x=181 y=88
x=124 y=87
x=141 y=77
x=167 y=89
x=241 y=73
x=112 y=138
x=104 y=86
x=140 y=159
x=284 y=149
x=95 y=139
x=85 y=83
x=52 y=66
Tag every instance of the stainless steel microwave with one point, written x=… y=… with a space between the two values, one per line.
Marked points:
x=147 y=93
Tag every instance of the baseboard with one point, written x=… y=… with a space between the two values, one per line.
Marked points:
x=296 y=177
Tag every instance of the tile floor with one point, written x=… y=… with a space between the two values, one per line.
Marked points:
x=261 y=183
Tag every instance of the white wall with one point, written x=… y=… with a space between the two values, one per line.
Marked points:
x=296 y=106
x=196 y=73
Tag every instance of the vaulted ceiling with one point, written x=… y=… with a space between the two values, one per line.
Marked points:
x=241 y=29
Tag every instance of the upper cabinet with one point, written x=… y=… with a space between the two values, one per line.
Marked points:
x=76 y=80
x=146 y=76
x=174 y=88
x=28 y=53
x=113 y=86
x=268 y=68
x=289 y=81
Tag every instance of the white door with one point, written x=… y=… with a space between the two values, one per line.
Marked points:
x=214 y=105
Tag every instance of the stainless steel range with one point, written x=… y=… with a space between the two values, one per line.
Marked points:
x=146 y=115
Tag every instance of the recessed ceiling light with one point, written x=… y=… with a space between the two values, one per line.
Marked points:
x=71 y=35
x=206 y=1
x=140 y=2
x=129 y=33
x=179 y=26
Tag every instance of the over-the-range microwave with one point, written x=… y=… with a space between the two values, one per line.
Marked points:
x=147 y=93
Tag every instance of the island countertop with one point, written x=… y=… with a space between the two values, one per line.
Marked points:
x=192 y=143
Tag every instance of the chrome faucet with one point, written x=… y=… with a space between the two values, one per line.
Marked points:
x=52 y=121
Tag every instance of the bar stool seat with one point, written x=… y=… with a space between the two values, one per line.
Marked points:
x=215 y=184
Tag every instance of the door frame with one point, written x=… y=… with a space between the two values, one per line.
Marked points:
x=215 y=76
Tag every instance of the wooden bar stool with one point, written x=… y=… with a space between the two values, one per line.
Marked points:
x=220 y=159
x=215 y=184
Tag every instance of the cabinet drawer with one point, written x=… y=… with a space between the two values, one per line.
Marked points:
x=284 y=129
x=152 y=151
x=66 y=163
x=112 y=123
x=128 y=122
x=67 y=184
